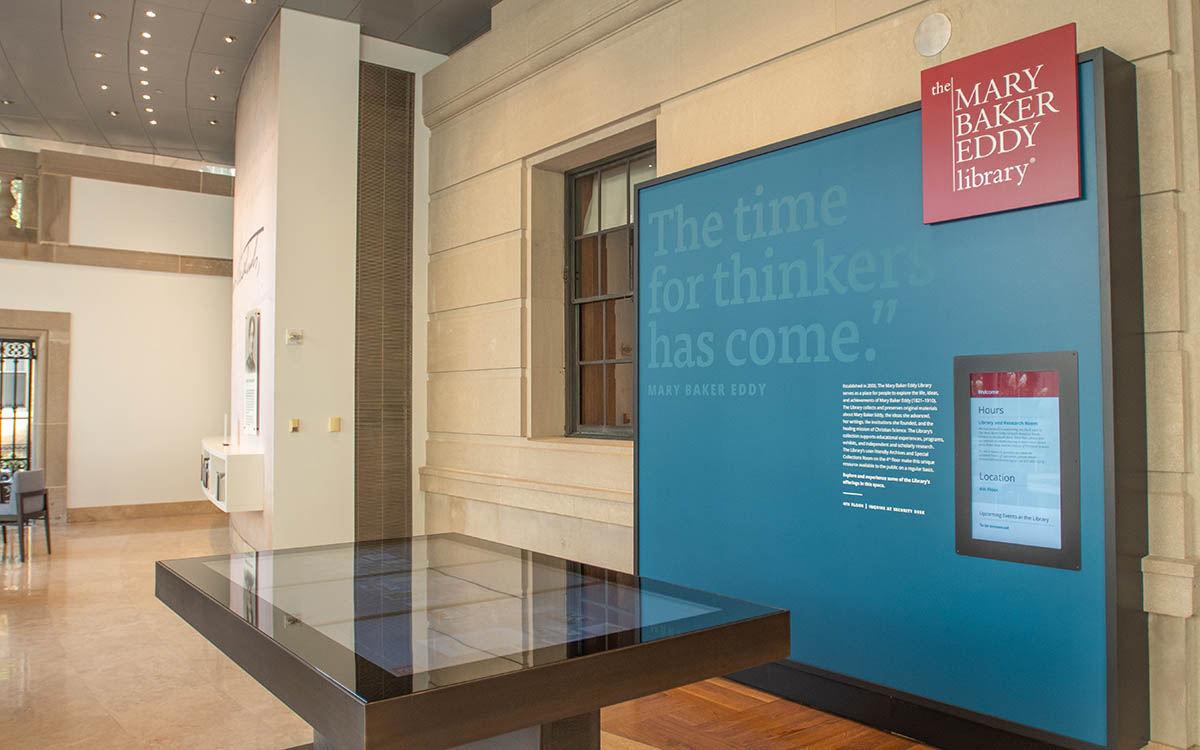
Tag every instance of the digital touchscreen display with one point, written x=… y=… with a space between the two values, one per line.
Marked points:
x=1016 y=457
x=1016 y=487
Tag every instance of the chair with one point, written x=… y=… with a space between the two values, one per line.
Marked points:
x=26 y=502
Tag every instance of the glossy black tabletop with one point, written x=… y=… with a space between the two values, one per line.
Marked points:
x=397 y=617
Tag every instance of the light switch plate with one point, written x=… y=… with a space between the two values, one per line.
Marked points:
x=335 y=424
x=293 y=425
x=294 y=336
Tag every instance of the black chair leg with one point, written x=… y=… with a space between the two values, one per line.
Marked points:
x=46 y=519
x=21 y=535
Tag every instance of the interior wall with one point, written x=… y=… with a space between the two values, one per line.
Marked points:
x=716 y=78
x=314 y=282
x=150 y=219
x=147 y=353
x=254 y=239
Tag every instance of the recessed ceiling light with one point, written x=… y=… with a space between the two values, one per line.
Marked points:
x=230 y=39
x=150 y=109
x=143 y=52
x=97 y=54
x=97 y=16
x=213 y=122
x=143 y=68
x=154 y=122
x=146 y=97
x=150 y=14
x=249 y=2
x=217 y=71
x=212 y=97
x=145 y=35
x=6 y=102
x=113 y=113
x=144 y=82
x=104 y=87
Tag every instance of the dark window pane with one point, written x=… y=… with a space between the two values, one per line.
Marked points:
x=591 y=395
x=620 y=328
x=614 y=268
x=586 y=283
x=620 y=395
x=591 y=332
x=587 y=200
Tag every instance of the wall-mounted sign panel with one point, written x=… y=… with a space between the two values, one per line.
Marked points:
x=1000 y=128
x=797 y=419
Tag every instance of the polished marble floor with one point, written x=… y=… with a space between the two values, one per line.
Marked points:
x=89 y=659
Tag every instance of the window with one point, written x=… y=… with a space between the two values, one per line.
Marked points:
x=16 y=403
x=601 y=317
x=16 y=190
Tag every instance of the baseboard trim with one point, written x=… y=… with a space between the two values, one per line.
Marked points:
x=144 y=510
x=930 y=722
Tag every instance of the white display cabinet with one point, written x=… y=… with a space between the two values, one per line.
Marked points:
x=231 y=479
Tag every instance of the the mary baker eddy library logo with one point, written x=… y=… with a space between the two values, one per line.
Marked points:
x=1000 y=129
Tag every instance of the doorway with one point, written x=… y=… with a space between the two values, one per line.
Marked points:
x=18 y=361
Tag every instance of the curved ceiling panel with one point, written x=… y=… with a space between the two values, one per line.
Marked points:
x=140 y=75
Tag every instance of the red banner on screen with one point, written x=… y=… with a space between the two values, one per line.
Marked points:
x=1000 y=129
x=1014 y=384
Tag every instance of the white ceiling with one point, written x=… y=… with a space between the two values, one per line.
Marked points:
x=51 y=82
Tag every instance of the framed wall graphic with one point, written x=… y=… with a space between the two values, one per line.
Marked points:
x=807 y=434
x=250 y=376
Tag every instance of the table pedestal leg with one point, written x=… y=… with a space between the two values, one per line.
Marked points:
x=580 y=732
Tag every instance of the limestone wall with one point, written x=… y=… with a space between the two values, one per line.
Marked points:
x=558 y=83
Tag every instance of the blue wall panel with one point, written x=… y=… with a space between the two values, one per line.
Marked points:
x=740 y=490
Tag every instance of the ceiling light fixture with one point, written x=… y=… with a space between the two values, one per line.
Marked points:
x=229 y=39
x=212 y=97
x=144 y=82
x=150 y=14
x=143 y=68
x=249 y=2
x=143 y=52
x=154 y=122
x=97 y=54
x=217 y=71
x=113 y=113
x=104 y=87
x=6 y=102
x=145 y=35
x=146 y=97
x=97 y=16
x=150 y=109
x=213 y=122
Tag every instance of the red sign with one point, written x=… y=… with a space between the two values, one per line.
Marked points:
x=1037 y=384
x=1000 y=129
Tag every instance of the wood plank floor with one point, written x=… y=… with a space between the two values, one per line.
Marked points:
x=721 y=714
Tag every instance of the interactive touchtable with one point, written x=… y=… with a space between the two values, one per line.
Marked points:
x=439 y=641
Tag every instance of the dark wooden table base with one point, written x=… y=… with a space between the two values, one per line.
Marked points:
x=575 y=733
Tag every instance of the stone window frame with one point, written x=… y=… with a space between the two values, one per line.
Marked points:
x=573 y=307
x=544 y=270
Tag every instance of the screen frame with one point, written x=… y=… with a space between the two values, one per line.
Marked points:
x=1066 y=365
